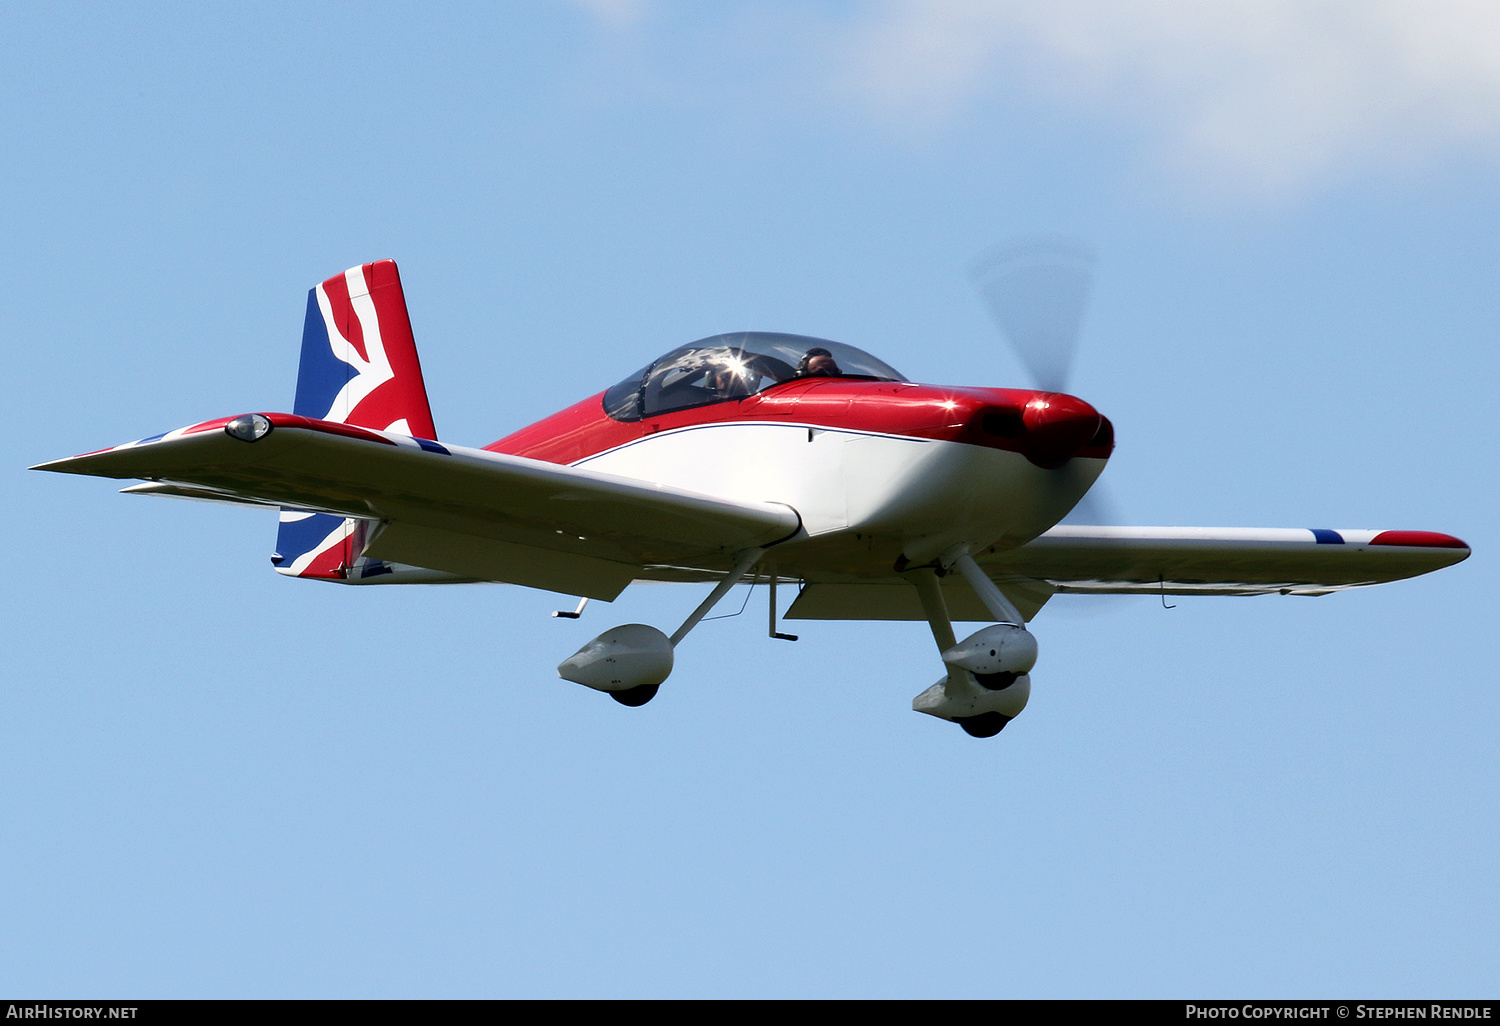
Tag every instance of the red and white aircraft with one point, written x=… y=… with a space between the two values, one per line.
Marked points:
x=749 y=456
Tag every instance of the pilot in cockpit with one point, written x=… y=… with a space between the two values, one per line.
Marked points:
x=818 y=362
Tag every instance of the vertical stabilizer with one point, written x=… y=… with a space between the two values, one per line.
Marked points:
x=359 y=361
x=359 y=366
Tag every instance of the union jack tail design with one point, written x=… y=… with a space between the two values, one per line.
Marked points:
x=359 y=367
x=324 y=547
x=359 y=362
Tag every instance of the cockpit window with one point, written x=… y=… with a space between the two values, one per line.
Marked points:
x=734 y=366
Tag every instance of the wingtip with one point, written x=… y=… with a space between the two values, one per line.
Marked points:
x=1420 y=540
x=61 y=466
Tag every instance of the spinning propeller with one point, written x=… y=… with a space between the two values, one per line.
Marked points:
x=1037 y=289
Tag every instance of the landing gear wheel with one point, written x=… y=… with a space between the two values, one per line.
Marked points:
x=640 y=696
x=984 y=725
x=995 y=681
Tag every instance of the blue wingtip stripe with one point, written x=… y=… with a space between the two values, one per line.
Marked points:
x=1326 y=537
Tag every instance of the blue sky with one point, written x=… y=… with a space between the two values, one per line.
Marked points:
x=216 y=782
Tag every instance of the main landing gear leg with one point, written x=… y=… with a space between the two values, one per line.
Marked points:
x=742 y=567
x=631 y=661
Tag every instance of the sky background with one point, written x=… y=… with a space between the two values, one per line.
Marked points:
x=215 y=782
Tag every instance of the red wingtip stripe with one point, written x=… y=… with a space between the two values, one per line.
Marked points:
x=1418 y=540
x=329 y=427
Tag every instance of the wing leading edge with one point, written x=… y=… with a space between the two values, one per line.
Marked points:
x=469 y=512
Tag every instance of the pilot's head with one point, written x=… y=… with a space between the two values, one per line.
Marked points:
x=817 y=362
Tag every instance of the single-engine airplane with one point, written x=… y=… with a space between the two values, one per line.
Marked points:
x=750 y=456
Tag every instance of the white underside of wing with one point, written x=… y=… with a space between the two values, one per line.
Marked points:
x=1150 y=561
x=468 y=512
x=1215 y=560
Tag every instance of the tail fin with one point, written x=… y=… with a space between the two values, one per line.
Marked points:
x=359 y=361
x=359 y=366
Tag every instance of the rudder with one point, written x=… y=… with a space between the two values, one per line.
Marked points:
x=359 y=366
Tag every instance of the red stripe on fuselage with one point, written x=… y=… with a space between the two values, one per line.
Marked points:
x=991 y=417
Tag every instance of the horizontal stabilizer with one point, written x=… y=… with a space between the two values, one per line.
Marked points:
x=197 y=493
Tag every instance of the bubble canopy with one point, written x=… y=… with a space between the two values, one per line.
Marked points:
x=733 y=366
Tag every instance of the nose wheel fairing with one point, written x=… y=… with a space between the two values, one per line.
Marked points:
x=959 y=699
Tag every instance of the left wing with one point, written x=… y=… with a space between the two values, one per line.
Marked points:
x=1153 y=560
x=477 y=514
x=1223 y=560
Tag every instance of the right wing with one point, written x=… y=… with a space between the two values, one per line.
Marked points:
x=476 y=514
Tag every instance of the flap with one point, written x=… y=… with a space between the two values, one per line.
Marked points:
x=899 y=600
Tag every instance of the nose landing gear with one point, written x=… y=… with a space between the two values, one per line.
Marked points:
x=988 y=681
